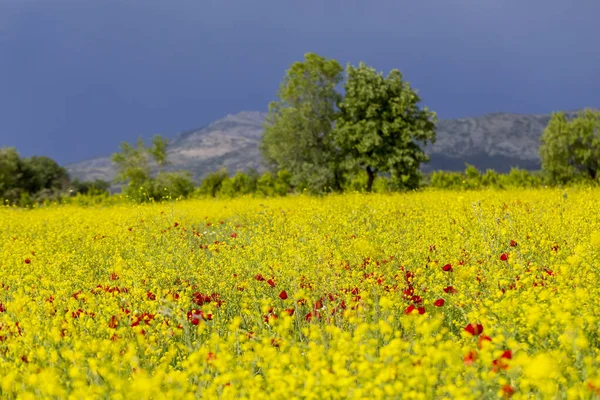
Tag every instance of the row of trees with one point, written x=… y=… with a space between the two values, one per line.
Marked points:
x=324 y=136
x=134 y=170
x=331 y=130
x=25 y=181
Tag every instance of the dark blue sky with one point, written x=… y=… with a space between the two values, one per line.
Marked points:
x=78 y=77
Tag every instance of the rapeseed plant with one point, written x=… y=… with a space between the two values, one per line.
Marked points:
x=417 y=296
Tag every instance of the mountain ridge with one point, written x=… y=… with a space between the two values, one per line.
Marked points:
x=496 y=140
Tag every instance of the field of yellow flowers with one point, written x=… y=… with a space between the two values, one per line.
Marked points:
x=416 y=296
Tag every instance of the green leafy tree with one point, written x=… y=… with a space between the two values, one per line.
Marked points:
x=11 y=170
x=283 y=183
x=571 y=149
x=265 y=186
x=158 y=151
x=25 y=181
x=92 y=188
x=43 y=173
x=174 y=184
x=133 y=168
x=491 y=178
x=227 y=189
x=381 y=127
x=297 y=133
x=211 y=183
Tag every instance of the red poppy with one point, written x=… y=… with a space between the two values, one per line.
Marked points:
x=447 y=268
x=27 y=261
x=416 y=299
x=354 y=291
x=319 y=304
x=483 y=338
x=146 y=317
x=194 y=316
x=439 y=303
x=151 y=296
x=507 y=354
x=474 y=329
x=409 y=309
x=210 y=357
x=289 y=311
x=499 y=364
x=470 y=357
x=513 y=243
x=114 y=276
x=450 y=289
x=504 y=257
x=309 y=316
x=283 y=295
x=267 y=318
x=421 y=310
x=507 y=390
x=259 y=277
x=200 y=299
x=271 y=282
x=2 y=308
x=113 y=322
x=233 y=235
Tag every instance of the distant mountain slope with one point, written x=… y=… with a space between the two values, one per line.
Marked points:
x=230 y=142
x=494 y=141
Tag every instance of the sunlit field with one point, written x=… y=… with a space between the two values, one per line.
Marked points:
x=422 y=295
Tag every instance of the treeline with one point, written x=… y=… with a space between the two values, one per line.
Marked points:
x=368 y=136
x=38 y=179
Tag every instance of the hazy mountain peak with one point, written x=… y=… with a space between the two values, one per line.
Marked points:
x=243 y=117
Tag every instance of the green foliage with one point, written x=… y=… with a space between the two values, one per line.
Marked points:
x=297 y=133
x=134 y=170
x=473 y=179
x=11 y=170
x=211 y=184
x=158 y=151
x=283 y=183
x=244 y=183
x=266 y=185
x=446 y=180
x=43 y=173
x=381 y=127
x=92 y=188
x=173 y=185
x=571 y=149
x=26 y=181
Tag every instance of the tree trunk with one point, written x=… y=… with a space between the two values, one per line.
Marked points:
x=337 y=183
x=371 y=179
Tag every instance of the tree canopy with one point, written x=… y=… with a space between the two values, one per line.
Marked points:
x=322 y=137
x=571 y=149
x=381 y=128
x=23 y=178
x=133 y=168
x=297 y=134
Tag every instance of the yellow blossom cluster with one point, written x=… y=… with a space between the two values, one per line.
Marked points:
x=415 y=296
